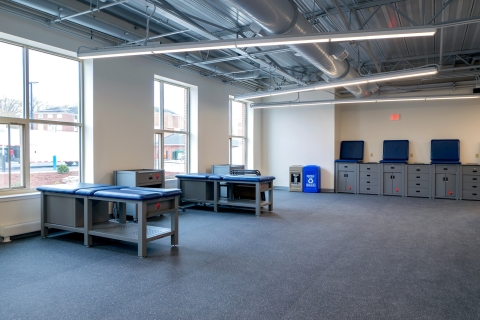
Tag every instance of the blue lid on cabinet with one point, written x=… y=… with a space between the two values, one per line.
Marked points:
x=395 y=151
x=351 y=150
x=445 y=151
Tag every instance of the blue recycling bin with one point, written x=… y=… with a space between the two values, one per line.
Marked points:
x=311 y=179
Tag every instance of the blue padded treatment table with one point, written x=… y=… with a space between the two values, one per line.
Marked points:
x=205 y=188
x=63 y=206
x=351 y=151
x=87 y=202
x=395 y=151
x=445 y=151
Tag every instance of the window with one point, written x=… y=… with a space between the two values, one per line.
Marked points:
x=237 y=132
x=171 y=128
x=45 y=102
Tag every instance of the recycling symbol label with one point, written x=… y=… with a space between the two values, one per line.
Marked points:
x=310 y=181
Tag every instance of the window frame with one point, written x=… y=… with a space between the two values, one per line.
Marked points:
x=161 y=131
x=232 y=136
x=28 y=120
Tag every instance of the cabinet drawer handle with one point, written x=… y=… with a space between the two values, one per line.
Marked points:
x=392 y=167
x=474 y=186
x=368 y=181
x=368 y=175
x=445 y=168
x=474 y=178
x=474 y=170
x=417 y=184
x=418 y=169
x=368 y=188
x=368 y=168
x=417 y=191
x=345 y=166
x=418 y=177
x=474 y=194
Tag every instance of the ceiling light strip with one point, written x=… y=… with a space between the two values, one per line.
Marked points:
x=349 y=101
x=328 y=85
x=260 y=41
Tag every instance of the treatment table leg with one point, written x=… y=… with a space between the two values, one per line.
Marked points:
x=43 y=216
x=270 y=197
x=87 y=221
x=174 y=224
x=142 y=228
x=258 y=198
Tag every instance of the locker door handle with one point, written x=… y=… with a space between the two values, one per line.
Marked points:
x=446 y=179
x=443 y=178
x=393 y=177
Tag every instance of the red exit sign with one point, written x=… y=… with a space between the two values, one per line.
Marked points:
x=395 y=117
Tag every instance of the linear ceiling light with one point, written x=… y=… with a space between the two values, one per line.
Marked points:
x=260 y=41
x=342 y=83
x=348 y=101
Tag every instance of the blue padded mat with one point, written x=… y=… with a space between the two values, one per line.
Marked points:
x=91 y=191
x=346 y=160
x=128 y=194
x=164 y=192
x=194 y=175
x=445 y=151
x=351 y=150
x=69 y=188
x=215 y=177
x=395 y=150
x=248 y=178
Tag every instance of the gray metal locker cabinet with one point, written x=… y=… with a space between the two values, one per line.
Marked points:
x=471 y=181
x=369 y=178
x=346 y=175
x=393 y=179
x=418 y=180
x=149 y=178
x=447 y=181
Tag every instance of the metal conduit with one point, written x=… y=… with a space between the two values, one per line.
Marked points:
x=90 y=22
x=282 y=17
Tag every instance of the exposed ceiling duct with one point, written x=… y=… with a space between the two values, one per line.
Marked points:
x=282 y=17
x=96 y=24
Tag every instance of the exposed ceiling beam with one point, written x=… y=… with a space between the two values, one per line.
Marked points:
x=425 y=56
x=359 y=6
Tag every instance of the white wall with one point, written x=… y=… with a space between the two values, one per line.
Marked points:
x=299 y=136
x=420 y=122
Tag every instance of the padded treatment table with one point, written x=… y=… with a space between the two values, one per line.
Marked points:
x=395 y=151
x=205 y=188
x=83 y=208
x=63 y=206
x=351 y=151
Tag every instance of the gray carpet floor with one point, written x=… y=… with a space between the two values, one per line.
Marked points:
x=316 y=256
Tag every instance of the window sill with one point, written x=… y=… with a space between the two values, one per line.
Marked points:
x=22 y=194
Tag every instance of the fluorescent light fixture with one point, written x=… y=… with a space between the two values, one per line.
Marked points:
x=350 y=101
x=260 y=41
x=343 y=83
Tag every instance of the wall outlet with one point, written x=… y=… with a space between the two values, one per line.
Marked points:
x=476 y=155
x=371 y=154
x=411 y=155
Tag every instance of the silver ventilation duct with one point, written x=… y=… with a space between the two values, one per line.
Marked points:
x=90 y=22
x=282 y=17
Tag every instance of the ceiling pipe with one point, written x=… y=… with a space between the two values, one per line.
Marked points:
x=96 y=24
x=283 y=17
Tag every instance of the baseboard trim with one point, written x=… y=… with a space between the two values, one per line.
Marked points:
x=287 y=188
x=15 y=229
